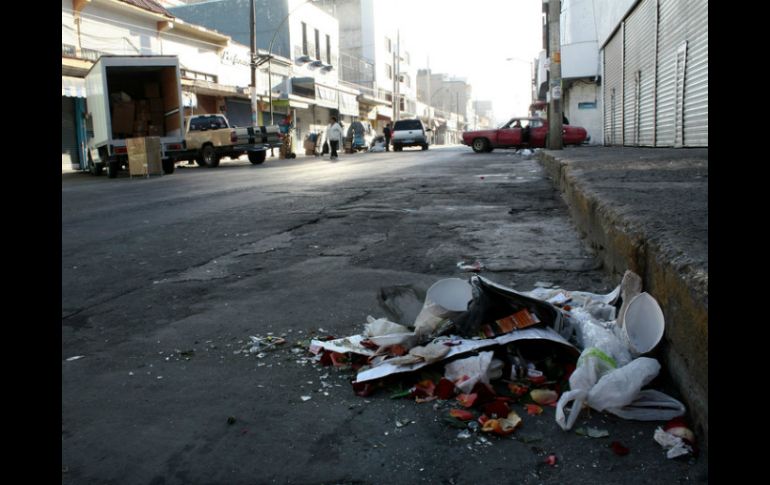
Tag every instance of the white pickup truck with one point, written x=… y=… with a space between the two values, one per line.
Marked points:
x=209 y=137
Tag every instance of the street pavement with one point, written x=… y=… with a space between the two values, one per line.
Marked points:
x=165 y=279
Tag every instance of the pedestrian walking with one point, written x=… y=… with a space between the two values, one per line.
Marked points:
x=387 y=132
x=334 y=135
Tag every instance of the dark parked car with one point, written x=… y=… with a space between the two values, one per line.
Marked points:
x=520 y=133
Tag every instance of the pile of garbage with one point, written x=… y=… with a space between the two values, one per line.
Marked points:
x=482 y=347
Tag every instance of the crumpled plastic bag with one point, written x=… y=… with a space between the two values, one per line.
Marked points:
x=674 y=445
x=600 y=385
x=382 y=326
x=430 y=353
x=592 y=333
x=471 y=369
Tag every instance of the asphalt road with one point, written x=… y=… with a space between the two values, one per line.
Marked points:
x=165 y=279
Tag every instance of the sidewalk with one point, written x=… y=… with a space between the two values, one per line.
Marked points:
x=646 y=209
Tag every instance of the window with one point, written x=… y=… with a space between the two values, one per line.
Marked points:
x=389 y=71
x=317 y=45
x=406 y=57
x=405 y=79
x=328 y=49
x=388 y=44
x=187 y=74
x=203 y=123
x=407 y=124
x=304 y=39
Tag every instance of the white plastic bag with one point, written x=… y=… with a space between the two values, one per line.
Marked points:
x=472 y=369
x=593 y=333
x=592 y=364
x=596 y=384
x=620 y=386
x=651 y=405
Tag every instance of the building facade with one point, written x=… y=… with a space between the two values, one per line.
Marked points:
x=655 y=71
x=635 y=72
x=215 y=70
x=376 y=60
x=300 y=31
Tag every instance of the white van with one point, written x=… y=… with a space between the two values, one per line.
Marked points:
x=409 y=133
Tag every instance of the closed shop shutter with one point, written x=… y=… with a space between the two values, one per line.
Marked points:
x=238 y=112
x=696 y=115
x=206 y=104
x=671 y=34
x=639 y=75
x=613 y=90
x=69 y=144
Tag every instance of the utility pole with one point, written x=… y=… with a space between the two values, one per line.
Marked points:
x=430 y=103
x=555 y=141
x=397 y=67
x=253 y=30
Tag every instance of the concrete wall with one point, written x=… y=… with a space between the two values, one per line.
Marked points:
x=579 y=46
x=112 y=31
x=588 y=118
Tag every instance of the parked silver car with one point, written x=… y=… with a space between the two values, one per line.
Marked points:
x=409 y=133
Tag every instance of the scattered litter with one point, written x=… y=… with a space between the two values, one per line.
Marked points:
x=258 y=345
x=476 y=266
x=230 y=420
x=505 y=351
x=533 y=409
x=75 y=357
x=619 y=449
x=305 y=398
x=502 y=427
x=551 y=460
x=676 y=438
x=544 y=396
x=400 y=423
x=470 y=370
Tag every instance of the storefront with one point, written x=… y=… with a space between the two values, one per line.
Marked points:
x=73 y=128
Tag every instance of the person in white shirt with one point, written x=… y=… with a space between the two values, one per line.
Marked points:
x=334 y=135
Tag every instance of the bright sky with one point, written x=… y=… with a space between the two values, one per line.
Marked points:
x=473 y=39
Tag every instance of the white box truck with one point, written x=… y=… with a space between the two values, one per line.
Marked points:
x=133 y=97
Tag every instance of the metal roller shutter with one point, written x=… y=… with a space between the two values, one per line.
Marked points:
x=613 y=89
x=671 y=34
x=639 y=73
x=238 y=112
x=696 y=121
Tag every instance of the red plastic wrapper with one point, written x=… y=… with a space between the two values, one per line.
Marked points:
x=619 y=449
x=445 y=388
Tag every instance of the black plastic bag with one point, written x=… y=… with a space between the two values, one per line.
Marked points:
x=493 y=303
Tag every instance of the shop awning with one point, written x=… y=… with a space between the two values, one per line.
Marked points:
x=73 y=87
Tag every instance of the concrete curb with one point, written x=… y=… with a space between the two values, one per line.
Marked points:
x=679 y=285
